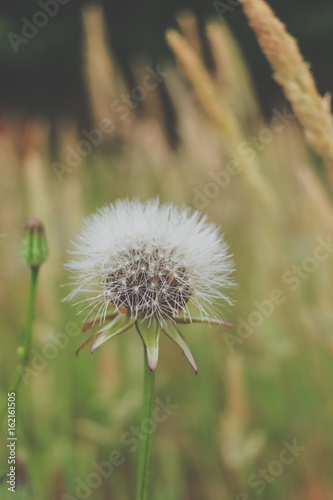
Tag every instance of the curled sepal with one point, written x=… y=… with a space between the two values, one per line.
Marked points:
x=93 y=322
x=182 y=320
x=149 y=330
x=171 y=330
x=86 y=343
x=118 y=325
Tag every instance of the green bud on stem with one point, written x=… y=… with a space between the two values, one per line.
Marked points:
x=34 y=248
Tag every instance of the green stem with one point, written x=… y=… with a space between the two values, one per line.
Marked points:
x=24 y=348
x=147 y=419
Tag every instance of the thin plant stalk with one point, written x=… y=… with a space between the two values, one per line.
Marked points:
x=145 y=444
x=24 y=348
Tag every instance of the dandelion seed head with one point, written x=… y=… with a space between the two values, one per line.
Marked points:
x=151 y=259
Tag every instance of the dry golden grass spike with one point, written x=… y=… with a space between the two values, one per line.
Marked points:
x=232 y=73
x=188 y=25
x=203 y=85
x=220 y=113
x=103 y=79
x=294 y=75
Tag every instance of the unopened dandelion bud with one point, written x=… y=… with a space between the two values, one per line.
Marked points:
x=34 y=245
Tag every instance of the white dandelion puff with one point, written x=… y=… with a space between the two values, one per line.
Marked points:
x=149 y=262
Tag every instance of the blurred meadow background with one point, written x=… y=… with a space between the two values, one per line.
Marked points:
x=194 y=119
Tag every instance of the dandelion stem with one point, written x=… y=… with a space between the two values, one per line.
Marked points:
x=145 y=444
x=23 y=350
